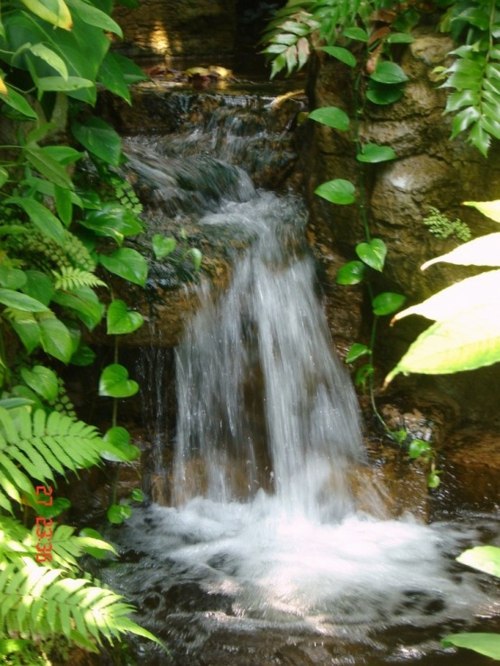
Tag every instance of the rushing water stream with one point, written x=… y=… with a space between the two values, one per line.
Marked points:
x=264 y=556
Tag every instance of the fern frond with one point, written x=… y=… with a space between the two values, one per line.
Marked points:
x=70 y=277
x=39 y=603
x=37 y=446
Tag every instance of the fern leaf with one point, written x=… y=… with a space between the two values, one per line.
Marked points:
x=69 y=277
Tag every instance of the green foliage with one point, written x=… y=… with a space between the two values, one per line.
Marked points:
x=466 y=330
x=473 y=77
x=487 y=559
x=441 y=226
x=58 y=236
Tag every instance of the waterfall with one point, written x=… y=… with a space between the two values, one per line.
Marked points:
x=263 y=400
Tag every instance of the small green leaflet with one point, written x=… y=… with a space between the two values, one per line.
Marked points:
x=120 y=448
x=337 y=191
x=331 y=116
x=389 y=73
x=341 y=54
x=127 y=263
x=387 y=303
x=373 y=253
x=121 y=320
x=163 y=245
x=351 y=273
x=115 y=383
x=371 y=153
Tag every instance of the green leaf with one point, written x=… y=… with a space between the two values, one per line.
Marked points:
x=467 y=293
x=341 y=54
x=454 y=344
x=50 y=57
x=100 y=139
x=482 y=558
x=363 y=374
x=113 y=221
x=42 y=380
x=137 y=495
x=55 y=12
x=400 y=38
x=419 y=448
x=163 y=245
x=118 y=513
x=358 y=34
x=351 y=273
x=387 y=303
x=331 y=116
x=13 y=299
x=487 y=644
x=55 y=338
x=196 y=257
x=482 y=251
x=121 y=320
x=382 y=94
x=388 y=73
x=4 y=176
x=337 y=191
x=58 y=84
x=373 y=253
x=120 y=448
x=128 y=264
x=12 y=278
x=26 y=327
x=41 y=217
x=115 y=383
x=83 y=356
x=85 y=303
x=111 y=76
x=18 y=102
x=357 y=350
x=64 y=204
x=39 y=286
x=489 y=208
x=373 y=153
x=433 y=480
x=93 y=544
x=93 y=16
x=47 y=166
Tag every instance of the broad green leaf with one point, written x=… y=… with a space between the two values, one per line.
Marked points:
x=113 y=221
x=447 y=303
x=357 y=350
x=400 y=38
x=351 y=273
x=137 y=495
x=118 y=513
x=433 y=480
x=128 y=264
x=13 y=299
x=26 y=327
x=487 y=644
x=48 y=167
x=50 y=57
x=111 y=76
x=418 y=448
x=100 y=139
x=55 y=12
x=63 y=154
x=163 y=245
x=42 y=380
x=19 y=102
x=373 y=253
x=93 y=544
x=93 y=16
x=55 y=338
x=83 y=356
x=58 y=84
x=121 y=320
x=387 y=302
x=358 y=34
x=120 y=448
x=115 y=383
x=4 y=176
x=85 y=303
x=64 y=204
x=482 y=251
x=132 y=73
x=12 y=278
x=489 y=208
x=331 y=116
x=454 y=344
x=388 y=73
x=483 y=558
x=363 y=374
x=41 y=217
x=373 y=153
x=383 y=94
x=337 y=191
x=341 y=54
x=39 y=286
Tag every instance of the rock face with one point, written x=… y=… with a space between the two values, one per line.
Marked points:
x=178 y=28
x=429 y=171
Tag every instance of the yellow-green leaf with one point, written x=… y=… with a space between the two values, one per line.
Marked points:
x=482 y=251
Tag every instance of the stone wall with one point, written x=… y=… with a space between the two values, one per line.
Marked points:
x=430 y=170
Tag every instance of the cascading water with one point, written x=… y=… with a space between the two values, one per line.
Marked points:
x=264 y=557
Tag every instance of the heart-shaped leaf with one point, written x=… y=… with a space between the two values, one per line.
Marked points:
x=118 y=513
x=371 y=153
x=331 y=116
x=120 y=449
x=351 y=273
x=373 y=253
x=389 y=73
x=121 y=320
x=340 y=53
x=357 y=350
x=163 y=245
x=337 y=191
x=115 y=383
x=126 y=263
x=387 y=303
x=42 y=380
